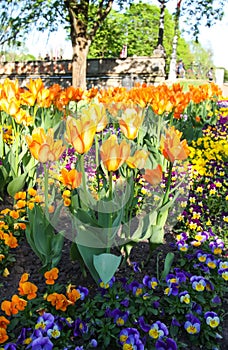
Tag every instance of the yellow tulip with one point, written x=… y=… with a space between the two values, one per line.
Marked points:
x=138 y=160
x=97 y=112
x=80 y=133
x=43 y=147
x=130 y=122
x=113 y=155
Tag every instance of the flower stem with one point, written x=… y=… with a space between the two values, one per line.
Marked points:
x=110 y=214
x=82 y=169
x=46 y=190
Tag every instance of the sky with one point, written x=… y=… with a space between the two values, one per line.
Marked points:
x=213 y=38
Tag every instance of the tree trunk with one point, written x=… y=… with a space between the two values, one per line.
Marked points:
x=161 y=22
x=79 y=62
x=173 y=61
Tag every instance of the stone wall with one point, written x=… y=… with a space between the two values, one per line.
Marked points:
x=100 y=72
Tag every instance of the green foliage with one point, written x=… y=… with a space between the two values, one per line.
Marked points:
x=137 y=27
x=41 y=236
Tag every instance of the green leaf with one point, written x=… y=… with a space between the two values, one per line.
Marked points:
x=87 y=254
x=16 y=184
x=56 y=248
x=106 y=265
x=167 y=265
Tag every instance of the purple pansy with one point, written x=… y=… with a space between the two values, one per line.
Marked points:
x=166 y=344
x=192 y=325
x=158 y=330
x=150 y=282
x=212 y=319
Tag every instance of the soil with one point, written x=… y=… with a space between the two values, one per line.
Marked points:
x=70 y=271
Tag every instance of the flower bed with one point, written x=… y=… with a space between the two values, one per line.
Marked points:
x=180 y=299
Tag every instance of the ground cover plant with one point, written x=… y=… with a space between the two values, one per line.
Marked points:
x=160 y=159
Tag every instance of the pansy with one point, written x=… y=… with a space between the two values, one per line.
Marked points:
x=107 y=285
x=83 y=291
x=198 y=283
x=130 y=339
x=51 y=275
x=184 y=297
x=126 y=333
x=211 y=262
x=171 y=290
x=10 y=346
x=197 y=308
x=158 y=330
x=41 y=343
x=80 y=327
x=150 y=282
x=192 y=325
x=216 y=300
x=182 y=236
x=223 y=273
x=166 y=344
x=54 y=332
x=217 y=246
x=182 y=246
x=223 y=265
x=93 y=343
x=143 y=325
x=201 y=256
x=45 y=321
x=212 y=319
x=120 y=317
x=136 y=288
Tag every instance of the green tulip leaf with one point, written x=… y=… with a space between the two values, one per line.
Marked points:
x=106 y=265
x=16 y=184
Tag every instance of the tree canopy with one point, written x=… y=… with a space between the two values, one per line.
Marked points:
x=83 y=18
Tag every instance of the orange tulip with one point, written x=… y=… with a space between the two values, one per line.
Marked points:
x=43 y=147
x=80 y=133
x=71 y=178
x=153 y=176
x=113 y=155
x=51 y=275
x=97 y=112
x=172 y=147
x=138 y=160
x=130 y=122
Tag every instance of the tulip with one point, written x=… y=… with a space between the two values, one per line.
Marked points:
x=138 y=160
x=113 y=155
x=130 y=122
x=97 y=112
x=80 y=133
x=43 y=147
x=172 y=147
x=71 y=178
x=153 y=176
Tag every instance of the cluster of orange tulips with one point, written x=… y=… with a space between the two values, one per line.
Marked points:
x=162 y=98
